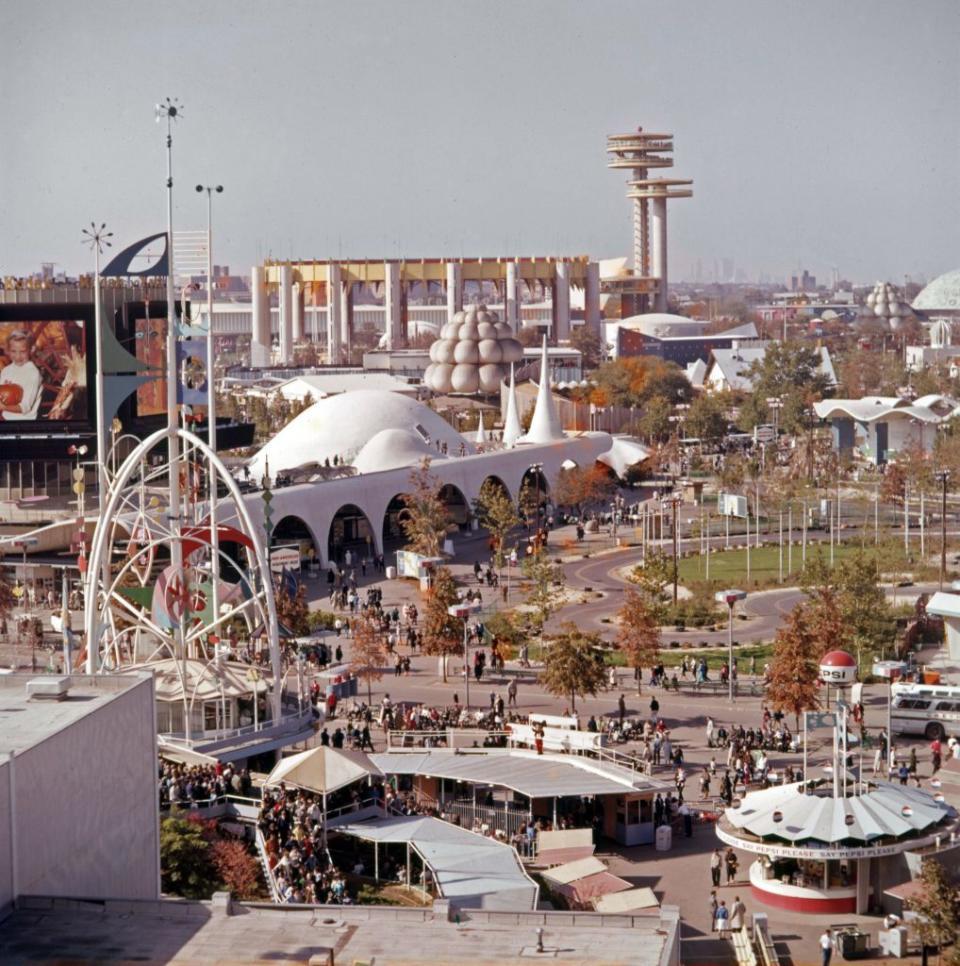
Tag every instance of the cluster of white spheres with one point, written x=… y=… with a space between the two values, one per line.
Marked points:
x=885 y=301
x=473 y=353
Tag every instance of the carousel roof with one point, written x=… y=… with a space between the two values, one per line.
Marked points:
x=885 y=811
x=204 y=679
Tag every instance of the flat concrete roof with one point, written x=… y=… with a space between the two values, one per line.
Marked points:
x=25 y=722
x=177 y=932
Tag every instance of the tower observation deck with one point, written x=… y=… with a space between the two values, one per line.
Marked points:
x=639 y=153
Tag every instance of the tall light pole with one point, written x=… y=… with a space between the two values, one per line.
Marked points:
x=730 y=598
x=943 y=476
x=98 y=239
x=170 y=109
x=463 y=611
x=212 y=406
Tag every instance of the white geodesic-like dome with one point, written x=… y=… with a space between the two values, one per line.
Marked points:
x=473 y=354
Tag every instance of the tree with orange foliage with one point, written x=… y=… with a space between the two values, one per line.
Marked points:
x=368 y=654
x=639 y=634
x=582 y=487
x=442 y=633
x=793 y=684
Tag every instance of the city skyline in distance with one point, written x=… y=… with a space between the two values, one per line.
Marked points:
x=811 y=135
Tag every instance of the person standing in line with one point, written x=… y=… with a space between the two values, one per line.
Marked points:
x=826 y=947
x=723 y=920
x=716 y=864
x=737 y=913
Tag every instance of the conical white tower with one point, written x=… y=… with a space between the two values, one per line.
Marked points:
x=481 y=436
x=545 y=426
x=512 y=430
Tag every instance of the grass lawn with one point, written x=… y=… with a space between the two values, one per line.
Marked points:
x=729 y=567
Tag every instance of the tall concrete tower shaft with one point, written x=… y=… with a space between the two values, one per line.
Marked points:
x=639 y=153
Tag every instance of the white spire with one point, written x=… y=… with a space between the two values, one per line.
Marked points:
x=512 y=430
x=481 y=436
x=545 y=426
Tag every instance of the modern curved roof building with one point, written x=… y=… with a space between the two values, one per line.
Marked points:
x=941 y=296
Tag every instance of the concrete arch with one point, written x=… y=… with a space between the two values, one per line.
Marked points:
x=292 y=528
x=458 y=506
x=350 y=530
x=496 y=480
x=391 y=534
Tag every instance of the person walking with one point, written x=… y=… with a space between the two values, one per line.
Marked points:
x=512 y=693
x=826 y=946
x=714 y=905
x=622 y=708
x=716 y=864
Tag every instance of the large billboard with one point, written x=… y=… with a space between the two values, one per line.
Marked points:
x=150 y=341
x=43 y=372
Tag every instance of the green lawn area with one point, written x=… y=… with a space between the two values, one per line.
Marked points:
x=729 y=567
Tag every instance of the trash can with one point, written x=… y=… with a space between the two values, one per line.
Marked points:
x=664 y=838
x=391 y=573
x=853 y=944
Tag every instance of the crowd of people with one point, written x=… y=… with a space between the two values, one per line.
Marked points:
x=193 y=785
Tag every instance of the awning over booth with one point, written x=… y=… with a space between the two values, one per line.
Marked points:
x=567 y=845
x=323 y=769
x=628 y=901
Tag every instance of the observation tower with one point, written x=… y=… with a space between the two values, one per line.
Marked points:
x=639 y=153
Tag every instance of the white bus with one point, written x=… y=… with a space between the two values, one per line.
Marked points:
x=931 y=710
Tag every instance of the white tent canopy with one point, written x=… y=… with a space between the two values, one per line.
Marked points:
x=323 y=769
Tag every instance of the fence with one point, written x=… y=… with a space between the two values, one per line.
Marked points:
x=486 y=818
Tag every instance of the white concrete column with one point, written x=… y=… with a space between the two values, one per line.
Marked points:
x=297 y=303
x=391 y=304
x=591 y=298
x=510 y=304
x=454 y=289
x=346 y=320
x=334 y=312
x=561 y=301
x=260 y=334
x=286 y=314
x=660 y=252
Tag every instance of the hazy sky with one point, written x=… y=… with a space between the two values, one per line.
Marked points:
x=817 y=133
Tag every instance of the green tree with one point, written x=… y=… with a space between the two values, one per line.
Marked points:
x=789 y=371
x=186 y=868
x=937 y=907
x=442 y=633
x=707 y=416
x=654 y=422
x=497 y=514
x=545 y=592
x=573 y=664
x=589 y=344
x=795 y=665
x=652 y=578
x=426 y=521
x=638 y=636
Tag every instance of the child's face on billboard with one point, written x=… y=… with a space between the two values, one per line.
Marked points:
x=18 y=351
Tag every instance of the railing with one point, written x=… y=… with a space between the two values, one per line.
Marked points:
x=763 y=942
x=465 y=739
x=238 y=805
x=501 y=818
x=265 y=862
x=291 y=722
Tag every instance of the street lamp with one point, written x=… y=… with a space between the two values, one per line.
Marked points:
x=212 y=403
x=943 y=476
x=462 y=611
x=730 y=598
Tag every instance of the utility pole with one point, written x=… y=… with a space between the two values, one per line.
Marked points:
x=943 y=476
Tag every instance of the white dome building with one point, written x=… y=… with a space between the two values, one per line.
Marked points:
x=664 y=325
x=941 y=297
x=352 y=427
